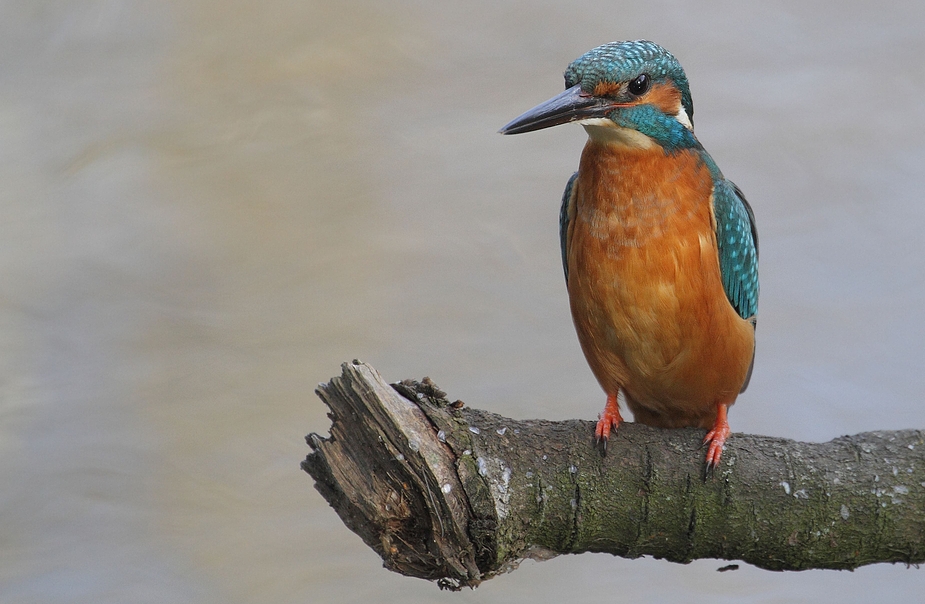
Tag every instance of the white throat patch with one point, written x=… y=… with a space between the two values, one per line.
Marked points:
x=603 y=130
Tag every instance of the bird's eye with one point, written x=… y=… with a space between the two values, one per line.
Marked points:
x=639 y=86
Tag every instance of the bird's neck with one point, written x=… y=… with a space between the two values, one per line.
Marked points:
x=671 y=132
x=609 y=134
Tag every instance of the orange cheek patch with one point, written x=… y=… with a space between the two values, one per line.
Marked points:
x=664 y=96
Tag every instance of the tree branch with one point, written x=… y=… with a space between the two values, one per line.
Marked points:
x=457 y=495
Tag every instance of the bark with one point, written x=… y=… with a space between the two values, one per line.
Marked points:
x=457 y=495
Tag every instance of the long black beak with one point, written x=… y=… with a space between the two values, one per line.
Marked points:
x=570 y=106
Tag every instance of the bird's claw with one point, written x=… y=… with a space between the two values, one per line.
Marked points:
x=605 y=425
x=716 y=438
x=715 y=451
x=608 y=421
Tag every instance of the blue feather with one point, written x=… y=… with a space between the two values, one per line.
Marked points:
x=563 y=222
x=737 y=240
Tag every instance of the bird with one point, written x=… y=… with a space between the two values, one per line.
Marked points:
x=659 y=249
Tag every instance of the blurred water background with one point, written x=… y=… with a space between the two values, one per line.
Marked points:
x=208 y=206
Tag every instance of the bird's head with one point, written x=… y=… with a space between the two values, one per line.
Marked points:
x=631 y=93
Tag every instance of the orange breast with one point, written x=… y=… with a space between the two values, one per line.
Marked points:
x=645 y=287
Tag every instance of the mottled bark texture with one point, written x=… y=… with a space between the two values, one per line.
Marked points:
x=456 y=495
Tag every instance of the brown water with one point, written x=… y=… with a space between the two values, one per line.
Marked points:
x=207 y=206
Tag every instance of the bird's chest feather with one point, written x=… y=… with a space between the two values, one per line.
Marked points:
x=634 y=198
x=642 y=227
x=644 y=278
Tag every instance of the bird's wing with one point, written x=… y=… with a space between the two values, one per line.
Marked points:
x=563 y=222
x=737 y=240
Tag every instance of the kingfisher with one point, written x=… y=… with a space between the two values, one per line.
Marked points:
x=660 y=251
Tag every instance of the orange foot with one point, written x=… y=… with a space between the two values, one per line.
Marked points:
x=717 y=437
x=608 y=419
